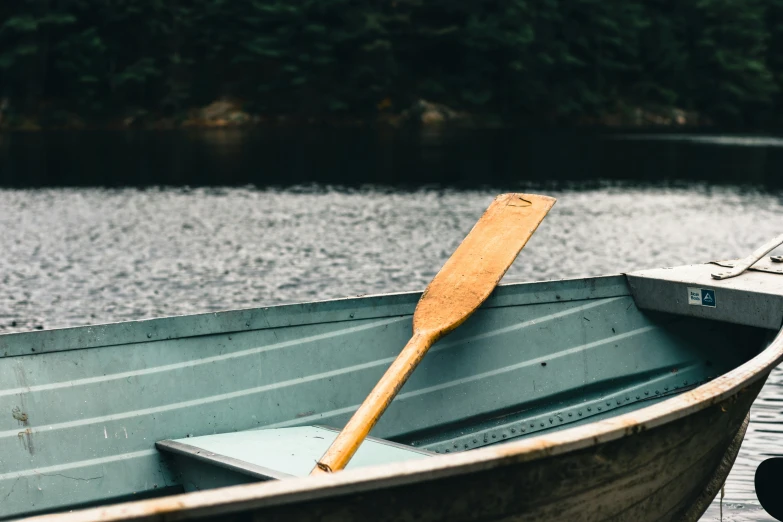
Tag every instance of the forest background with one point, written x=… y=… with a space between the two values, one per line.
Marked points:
x=72 y=63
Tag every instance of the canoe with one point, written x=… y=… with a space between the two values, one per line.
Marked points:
x=621 y=397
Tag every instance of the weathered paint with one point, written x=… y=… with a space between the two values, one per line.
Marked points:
x=96 y=414
x=653 y=475
x=718 y=478
x=597 y=347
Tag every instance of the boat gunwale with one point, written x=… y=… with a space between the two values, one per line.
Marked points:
x=267 y=494
x=239 y=320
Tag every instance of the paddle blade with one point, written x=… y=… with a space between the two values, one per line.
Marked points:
x=480 y=262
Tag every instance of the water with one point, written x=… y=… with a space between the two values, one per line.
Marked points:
x=102 y=244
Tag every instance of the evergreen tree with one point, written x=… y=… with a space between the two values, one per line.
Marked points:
x=532 y=61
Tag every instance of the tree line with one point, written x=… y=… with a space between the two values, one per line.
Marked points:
x=531 y=61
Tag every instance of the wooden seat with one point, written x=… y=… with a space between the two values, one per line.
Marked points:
x=268 y=454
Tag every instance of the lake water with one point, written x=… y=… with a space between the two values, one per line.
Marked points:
x=104 y=227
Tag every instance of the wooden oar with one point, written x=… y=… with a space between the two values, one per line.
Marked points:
x=465 y=281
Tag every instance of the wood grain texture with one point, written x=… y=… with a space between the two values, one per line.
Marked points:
x=462 y=285
x=479 y=263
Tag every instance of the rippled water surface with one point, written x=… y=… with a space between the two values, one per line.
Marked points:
x=75 y=256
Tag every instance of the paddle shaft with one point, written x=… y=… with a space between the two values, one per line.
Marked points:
x=357 y=429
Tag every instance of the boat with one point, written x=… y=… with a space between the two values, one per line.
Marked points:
x=620 y=397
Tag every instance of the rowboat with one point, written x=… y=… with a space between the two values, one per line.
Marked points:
x=621 y=397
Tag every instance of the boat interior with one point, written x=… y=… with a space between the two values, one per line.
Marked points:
x=120 y=412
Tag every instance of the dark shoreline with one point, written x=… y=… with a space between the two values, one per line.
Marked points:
x=287 y=124
x=447 y=156
x=230 y=114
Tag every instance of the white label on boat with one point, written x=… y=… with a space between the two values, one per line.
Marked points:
x=701 y=297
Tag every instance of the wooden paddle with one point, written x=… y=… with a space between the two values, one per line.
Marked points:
x=464 y=282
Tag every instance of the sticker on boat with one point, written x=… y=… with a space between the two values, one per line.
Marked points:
x=701 y=297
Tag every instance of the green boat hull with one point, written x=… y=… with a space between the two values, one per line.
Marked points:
x=536 y=364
